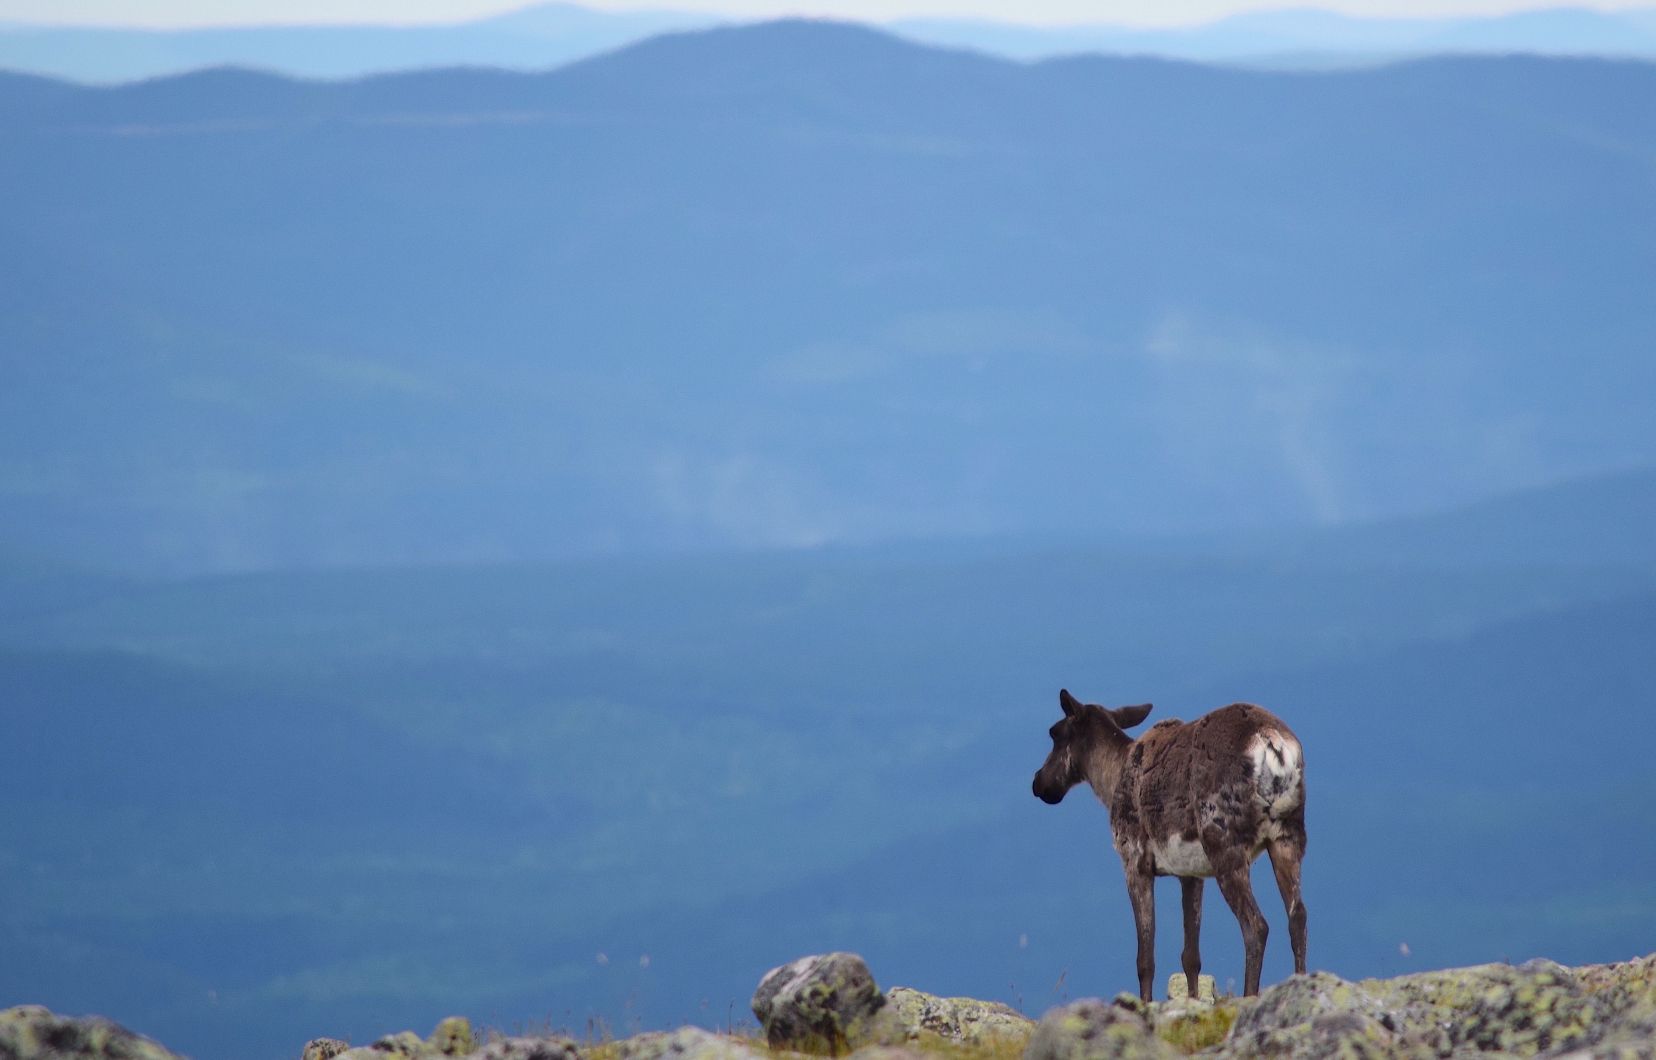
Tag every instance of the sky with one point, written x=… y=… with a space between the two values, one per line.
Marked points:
x=181 y=13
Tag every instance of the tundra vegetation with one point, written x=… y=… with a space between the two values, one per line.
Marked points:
x=830 y=1005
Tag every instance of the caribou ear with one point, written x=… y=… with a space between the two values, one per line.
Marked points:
x=1127 y=717
x=1070 y=704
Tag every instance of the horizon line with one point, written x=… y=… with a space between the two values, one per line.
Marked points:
x=783 y=12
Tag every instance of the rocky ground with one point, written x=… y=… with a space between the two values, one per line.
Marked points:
x=830 y=1004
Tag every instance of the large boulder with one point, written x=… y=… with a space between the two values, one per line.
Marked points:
x=822 y=1004
x=1616 y=1047
x=1535 y=1008
x=1094 y=1029
x=1310 y=1017
x=962 y=1020
x=324 y=1049
x=1628 y=986
x=32 y=1032
x=1300 y=999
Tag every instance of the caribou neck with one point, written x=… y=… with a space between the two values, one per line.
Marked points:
x=1105 y=762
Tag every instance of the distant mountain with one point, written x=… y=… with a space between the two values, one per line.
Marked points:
x=265 y=807
x=535 y=38
x=804 y=283
x=1605 y=519
x=546 y=35
x=1297 y=38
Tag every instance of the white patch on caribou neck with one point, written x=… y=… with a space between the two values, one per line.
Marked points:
x=1177 y=856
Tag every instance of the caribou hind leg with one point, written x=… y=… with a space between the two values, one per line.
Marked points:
x=1191 y=958
x=1230 y=870
x=1287 y=851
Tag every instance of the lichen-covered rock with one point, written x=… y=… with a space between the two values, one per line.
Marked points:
x=1617 y=1047
x=1298 y=1000
x=1192 y=1026
x=324 y=1049
x=1309 y=1017
x=887 y=1052
x=453 y=1037
x=686 y=1043
x=1178 y=988
x=821 y=1004
x=957 y=1019
x=1537 y=1008
x=1329 y=1036
x=1094 y=1029
x=1629 y=983
x=391 y=1047
x=33 y=1032
x=549 y=1048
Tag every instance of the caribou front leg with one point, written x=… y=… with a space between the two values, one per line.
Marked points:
x=1141 y=889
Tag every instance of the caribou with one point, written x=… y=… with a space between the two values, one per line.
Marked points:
x=1195 y=800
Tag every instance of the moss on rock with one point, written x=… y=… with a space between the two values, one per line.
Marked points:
x=961 y=1020
x=822 y=1004
x=1094 y=1029
x=453 y=1037
x=528 y=1048
x=33 y=1032
x=1191 y=1028
x=1524 y=1011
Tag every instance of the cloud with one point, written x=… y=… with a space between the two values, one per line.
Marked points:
x=1284 y=397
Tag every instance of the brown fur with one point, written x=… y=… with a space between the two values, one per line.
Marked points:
x=1191 y=800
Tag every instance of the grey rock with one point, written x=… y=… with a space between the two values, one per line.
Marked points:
x=1298 y=1000
x=821 y=1004
x=1538 y=1008
x=963 y=1020
x=686 y=1043
x=453 y=1037
x=324 y=1049
x=524 y=1048
x=1178 y=988
x=391 y=1047
x=886 y=1052
x=1315 y=1016
x=1628 y=985
x=1615 y=1048
x=1341 y=1035
x=33 y=1032
x=1094 y=1029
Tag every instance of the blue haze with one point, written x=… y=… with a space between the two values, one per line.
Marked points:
x=465 y=533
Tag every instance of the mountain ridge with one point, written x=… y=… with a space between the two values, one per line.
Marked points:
x=589 y=311
x=548 y=35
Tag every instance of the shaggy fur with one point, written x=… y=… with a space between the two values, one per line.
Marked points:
x=1194 y=800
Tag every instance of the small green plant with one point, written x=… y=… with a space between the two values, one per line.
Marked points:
x=1200 y=1029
